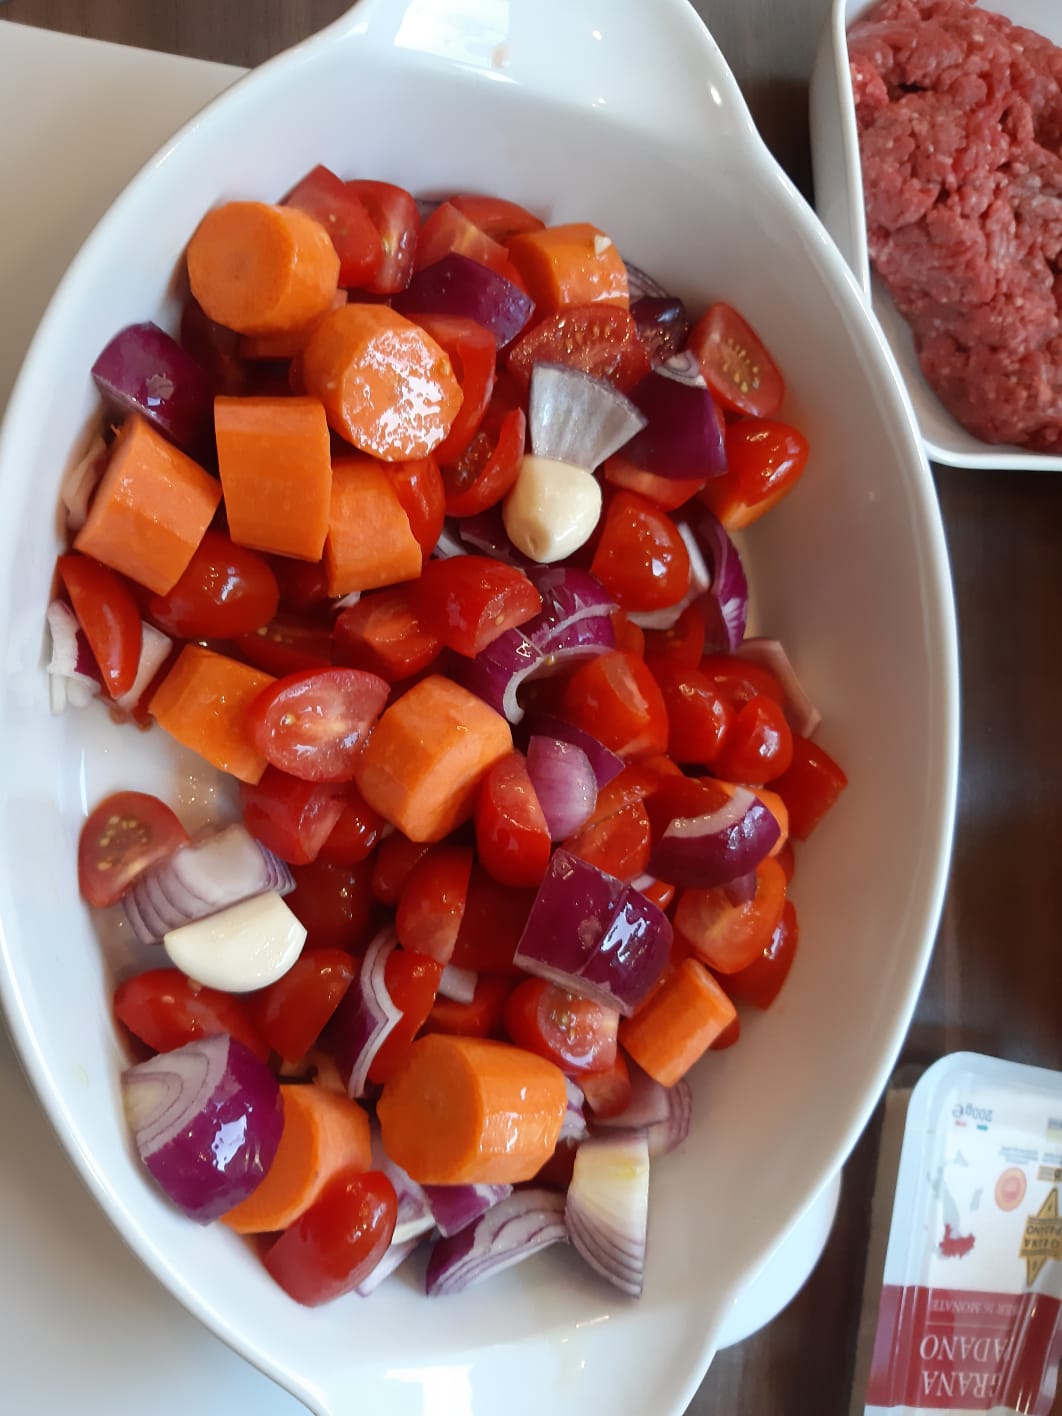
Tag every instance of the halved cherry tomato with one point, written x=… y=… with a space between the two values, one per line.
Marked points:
x=740 y=680
x=499 y=218
x=448 y=230
x=512 y=838
x=640 y=556
x=342 y=213
x=489 y=465
x=600 y=339
x=630 y=637
x=491 y=926
x=756 y=746
x=107 y=611
x=226 y=591
x=303 y=586
x=292 y=817
x=472 y=354
x=420 y=490
x=764 y=460
x=725 y=936
x=760 y=982
x=480 y=1018
x=216 y=349
x=618 y=842
x=291 y=1013
x=684 y=796
x=699 y=717
x=468 y=601
x=575 y=1033
x=432 y=902
x=682 y=644
x=608 y=1093
x=392 y=863
x=121 y=838
x=394 y=214
x=615 y=698
x=164 y=1009
x=809 y=786
x=314 y=725
x=338 y=1241
x=412 y=980
x=383 y=633
x=735 y=364
x=355 y=835
x=667 y=492
x=286 y=646
x=334 y=903
x=730 y=1034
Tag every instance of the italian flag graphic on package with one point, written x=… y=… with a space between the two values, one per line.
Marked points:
x=968 y=1312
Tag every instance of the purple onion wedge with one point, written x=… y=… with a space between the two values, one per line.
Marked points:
x=607 y=1207
x=455 y=1207
x=699 y=852
x=510 y=1231
x=683 y=436
x=564 y=783
x=457 y=285
x=576 y=418
x=144 y=370
x=367 y=1014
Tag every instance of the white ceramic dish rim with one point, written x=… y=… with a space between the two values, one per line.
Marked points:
x=357 y=23
x=945 y=440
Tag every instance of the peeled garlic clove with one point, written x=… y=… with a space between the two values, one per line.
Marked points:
x=552 y=509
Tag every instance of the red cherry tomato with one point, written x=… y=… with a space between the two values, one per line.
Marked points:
x=489 y=465
x=630 y=637
x=730 y=1034
x=395 y=858
x=383 y=634
x=303 y=586
x=616 y=699
x=226 y=591
x=334 y=903
x=420 y=490
x=682 y=644
x=760 y=982
x=107 y=611
x=472 y=354
x=338 y=1241
x=699 y=717
x=786 y=858
x=512 y=838
x=412 y=980
x=669 y=493
x=764 y=460
x=448 y=230
x=291 y=1013
x=335 y=204
x=735 y=364
x=468 y=601
x=602 y=340
x=286 y=646
x=608 y=1093
x=394 y=214
x=480 y=1018
x=127 y=833
x=616 y=841
x=432 y=902
x=165 y=1010
x=573 y=1032
x=491 y=926
x=740 y=680
x=314 y=725
x=355 y=835
x=809 y=786
x=757 y=746
x=725 y=936
x=499 y=218
x=292 y=817
x=640 y=556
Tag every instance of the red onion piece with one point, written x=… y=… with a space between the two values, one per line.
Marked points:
x=664 y=1136
x=414 y=1218
x=573 y=1127
x=459 y=985
x=699 y=852
x=576 y=418
x=607 y=1207
x=509 y=1232
x=729 y=588
x=143 y=370
x=568 y=596
x=564 y=783
x=81 y=481
x=639 y=284
x=648 y=1106
x=449 y=544
x=457 y=285
x=685 y=368
x=366 y=1016
x=455 y=1207
x=683 y=436
x=591 y=934
x=73 y=674
x=394 y=1257
x=207 y=1119
x=486 y=533
x=154 y=651
x=200 y=879
x=801 y=714
x=663 y=324
x=605 y=763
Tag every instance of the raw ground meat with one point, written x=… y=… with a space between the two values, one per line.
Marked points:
x=960 y=127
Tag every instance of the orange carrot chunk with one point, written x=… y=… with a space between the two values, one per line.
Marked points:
x=288 y=344
x=323 y=1134
x=386 y=385
x=276 y=473
x=203 y=703
x=570 y=265
x=261 y=269
x=370 y=542
x=678 y=1024
x=427 y=756
x=151 y=509
x=468 y=1111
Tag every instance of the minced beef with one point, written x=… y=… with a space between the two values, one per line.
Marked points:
x=960 y=126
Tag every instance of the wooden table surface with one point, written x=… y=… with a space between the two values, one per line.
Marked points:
x=995 y=985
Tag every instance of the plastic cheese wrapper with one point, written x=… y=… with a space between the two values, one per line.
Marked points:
x=963 y=1291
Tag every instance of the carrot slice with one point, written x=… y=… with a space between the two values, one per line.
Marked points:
x=323 y=1134
x=203 y=703
x=370 y=542
x=261 y=269
x=276 y=473
x=386 y=385
x=427 y=756
x=288 y=344
x=468 y=1111
x=151 y=509
x=575 y=264
x=678 y=1024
